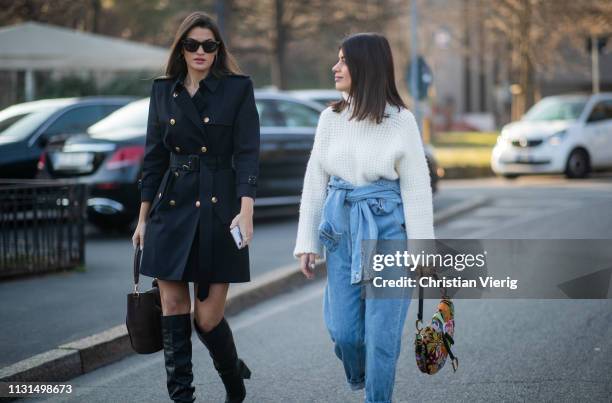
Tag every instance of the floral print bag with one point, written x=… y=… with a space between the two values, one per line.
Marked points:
x=432 y=343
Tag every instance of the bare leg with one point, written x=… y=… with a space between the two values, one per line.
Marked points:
x=174 y=297
x=208 y=313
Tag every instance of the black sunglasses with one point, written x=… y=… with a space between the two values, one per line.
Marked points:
x=209 y=46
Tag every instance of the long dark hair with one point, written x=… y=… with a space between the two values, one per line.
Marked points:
x=224 y=63
x=370 y=63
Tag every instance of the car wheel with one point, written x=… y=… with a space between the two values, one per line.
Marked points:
x=510 y=176
x=577 y=164
x=433 y=174
x=111 y=224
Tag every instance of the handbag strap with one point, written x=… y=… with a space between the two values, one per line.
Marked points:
x=454 y=360
x=137 y=255
x=443 y=292
x=420 y=314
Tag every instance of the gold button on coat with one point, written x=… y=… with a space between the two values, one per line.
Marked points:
x=197 y=203
x=204 y=149
x=176 y=173
x=159 y=195
x=178 y=149
x=214 y=199
x=172 y=202
x=172 y=121
x=206 y=119
x=175 y=94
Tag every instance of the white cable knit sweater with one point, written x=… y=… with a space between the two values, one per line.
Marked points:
x=361 y=152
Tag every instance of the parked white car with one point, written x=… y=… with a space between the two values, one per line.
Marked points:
x=569 y=134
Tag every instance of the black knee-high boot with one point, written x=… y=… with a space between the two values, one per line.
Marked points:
x=176 y=336
x=231 y=369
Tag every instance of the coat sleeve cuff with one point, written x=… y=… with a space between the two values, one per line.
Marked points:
x=244 y=189
x=147 y=193
x=246 y=184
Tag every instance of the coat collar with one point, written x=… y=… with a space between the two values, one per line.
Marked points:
x=211 y=82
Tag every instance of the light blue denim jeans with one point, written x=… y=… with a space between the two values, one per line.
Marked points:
x=366 y=331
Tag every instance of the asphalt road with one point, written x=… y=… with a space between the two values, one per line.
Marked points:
x=509 y=350
x=40 y=313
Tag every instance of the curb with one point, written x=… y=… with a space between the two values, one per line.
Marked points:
x=269 y=285
x=79 y=357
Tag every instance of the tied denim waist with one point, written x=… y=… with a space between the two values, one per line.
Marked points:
x=364 y=202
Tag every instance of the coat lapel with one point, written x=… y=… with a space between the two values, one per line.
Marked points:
x=186 y=106
x=185 y=103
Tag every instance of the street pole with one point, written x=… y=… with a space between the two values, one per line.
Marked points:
x=595 y=63
x=414 y=79
x=30 y=85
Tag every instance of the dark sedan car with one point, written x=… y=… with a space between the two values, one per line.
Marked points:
x=26 y=128
x=109 y=156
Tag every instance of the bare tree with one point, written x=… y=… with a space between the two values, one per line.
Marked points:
x=531 y=37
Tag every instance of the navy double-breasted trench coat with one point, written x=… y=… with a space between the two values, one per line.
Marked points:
x=187 y=233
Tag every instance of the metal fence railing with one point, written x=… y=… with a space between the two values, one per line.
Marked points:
x=42 y=226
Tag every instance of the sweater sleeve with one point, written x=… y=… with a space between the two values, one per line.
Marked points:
x=415 y=182
x=312 y=200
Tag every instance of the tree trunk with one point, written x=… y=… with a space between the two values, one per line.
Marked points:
x=277 y=65
x=526 y=70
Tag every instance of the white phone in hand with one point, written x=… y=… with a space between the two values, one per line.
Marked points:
x=237 y=235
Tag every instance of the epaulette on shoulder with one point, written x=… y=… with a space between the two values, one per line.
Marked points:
x=236 y=75
x=160 y=78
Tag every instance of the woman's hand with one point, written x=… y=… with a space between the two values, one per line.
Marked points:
x=138 y=237
x=307 y=264
x=244 y=220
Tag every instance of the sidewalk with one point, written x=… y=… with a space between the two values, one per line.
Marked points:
x=286 y=345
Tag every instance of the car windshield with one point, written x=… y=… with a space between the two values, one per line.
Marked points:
x=132 y=116
x=21 y=124
x=556 y=109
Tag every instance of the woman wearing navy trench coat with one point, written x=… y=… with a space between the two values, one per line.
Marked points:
x=199 y=179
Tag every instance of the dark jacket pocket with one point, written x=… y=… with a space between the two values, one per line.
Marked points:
x=228 y=205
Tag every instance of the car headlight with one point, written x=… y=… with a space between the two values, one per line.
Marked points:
x=557 y=138
x=501 y=140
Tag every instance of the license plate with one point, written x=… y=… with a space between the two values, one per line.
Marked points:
x=73 y=161
x=525 y=157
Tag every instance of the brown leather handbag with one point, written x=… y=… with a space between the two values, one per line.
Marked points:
x=143 y=319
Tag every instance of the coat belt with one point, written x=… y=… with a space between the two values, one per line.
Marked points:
x=205 y=165
x=192 y=162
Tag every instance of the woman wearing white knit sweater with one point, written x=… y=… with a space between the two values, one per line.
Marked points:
x=366 y=179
